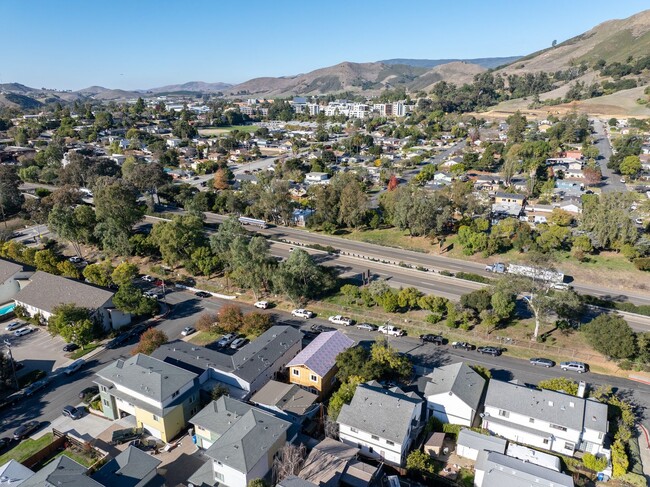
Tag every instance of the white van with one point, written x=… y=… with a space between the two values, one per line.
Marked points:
x=74 y=366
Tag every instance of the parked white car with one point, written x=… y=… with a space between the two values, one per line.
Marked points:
x=23 y=331
x=302 y=313
x=261 y=304
x=341 y=320
x=147 y=278
x=391 y=330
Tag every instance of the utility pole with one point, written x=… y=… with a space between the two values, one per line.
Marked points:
x=13 y=365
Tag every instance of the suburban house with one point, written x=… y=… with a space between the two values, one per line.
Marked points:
x=240 y=440
x=316 y=178
x=244 y=372
x=453 y=394
x=15 y=473
x=131 y=468
x=382 y=423
x=495 y=469
x=286 y=400
x=11 y=277
x=161 y=396
x=470 y=444
x=545 y=419
x=314 y=368
x=61 y=471
x=46 y=291
x=508 y=204
x=332 y=463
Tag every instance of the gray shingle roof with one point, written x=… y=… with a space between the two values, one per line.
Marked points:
x=320 y=355
x=148 y=376
x=504 y=471
x=289 y=398
x=62 y=471
x=381 y=412
x=554 y=407
x=8 y=269
x=458 y=378
x=14 y=473
x=219 y=415
x=127 y=469
x=477 y=441
x=293 y=481
x=47 y=291
x=248 y=438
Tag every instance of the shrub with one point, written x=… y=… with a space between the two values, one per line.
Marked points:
x=625 y=364
x=643 y=264
x=447 y=273
x=434 y=318
x=560 y=384
x=593 y=463
x=620 y=461
x=634 y=479
x=451 y=429
x=468 y=276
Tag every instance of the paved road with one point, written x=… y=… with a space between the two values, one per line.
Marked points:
x=611 y=181
x=46 y=405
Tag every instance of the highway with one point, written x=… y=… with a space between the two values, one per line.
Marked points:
x=46 y=405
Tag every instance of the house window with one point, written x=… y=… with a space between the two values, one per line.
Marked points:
x=103 y=388
x=155 y=418
x=106 y=403
x=219 y=476
x=569 y=446
x=531 y=420
x=375 y=437
x=600 y=436
x=295 y=372
x=354 y=430
x=191 y=399
x=388 y=442
x=545 y=441
x=504 y=414
x=557 y=427
x=175 y=394
x=313 y=378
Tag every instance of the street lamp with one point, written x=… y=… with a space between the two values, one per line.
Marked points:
x=13 y=365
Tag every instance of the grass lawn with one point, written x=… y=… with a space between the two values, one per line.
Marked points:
x=205 y=337
x=25 y=449
x=224 y=130
x=392 y=237
x=82 y=458
x=80 y=352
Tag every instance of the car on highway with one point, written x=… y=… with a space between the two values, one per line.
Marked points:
x=36 y=386
x=202 y=294
x=70 y=347
x=579 y=367
x=26 y=429
x=226 y=340
x=302 y=313
x=437 y=339
x=14 y=326
x=495 y=352
x=367 y=327
x=463 y=345
x=238 y=343
x=72 y=412
x=89 y=391
x=341 y=320
x=23 y=331
x=543 y=362
x=188 y=330
x=261 y=304
x=147 y=278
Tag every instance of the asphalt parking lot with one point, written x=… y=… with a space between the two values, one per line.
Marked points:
x=38 y=350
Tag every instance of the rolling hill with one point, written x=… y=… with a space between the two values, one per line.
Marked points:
x=487 y=63
x=198 y=86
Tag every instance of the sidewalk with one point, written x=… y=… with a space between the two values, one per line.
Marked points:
x=644 y=449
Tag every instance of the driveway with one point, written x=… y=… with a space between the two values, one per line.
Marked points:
x=38 y=350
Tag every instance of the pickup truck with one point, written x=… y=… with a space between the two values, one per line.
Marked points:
x=391 y=330
x=128 y=434
x=341 y=320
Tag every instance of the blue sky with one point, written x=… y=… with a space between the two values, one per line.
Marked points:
x=72 y=44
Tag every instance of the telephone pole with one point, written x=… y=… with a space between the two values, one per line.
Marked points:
x=13 y=365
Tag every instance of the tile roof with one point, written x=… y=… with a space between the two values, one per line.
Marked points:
x=320 y=355
x=47 y=291
x=382 y=412
x=147 y=376
x=458 y=378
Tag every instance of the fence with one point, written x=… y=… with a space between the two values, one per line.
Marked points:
x=46 y=452
x=60 y=442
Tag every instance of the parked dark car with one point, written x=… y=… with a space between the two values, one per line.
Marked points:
x=94 y=390
x=544 y=362
x=495 y=352
x=4 y=443
x=437 y=339
x=70 y=347
x=26 y=429
x=463 y=345
x=36 y=386
x=117 y=341
x=202 y=294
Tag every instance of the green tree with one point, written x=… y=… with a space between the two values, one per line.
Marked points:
x=129 y=299
x=99 y=274
x=351 y=292
x=124 y=273
x=117 y=210
x=205 y=262
x=342 y=396
x=150 y=340
x=593 y=463
x=73 y=323
x=299 y=277
x=47 y=261
x=630 y=166
x=420 y=462
x=68 y=269
x=408 y=298
x=560 y=384
x=11 y=198
x=178 y=238
x=610 y=335
x=218 y=391
x=75 y=225
x=252 y=264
